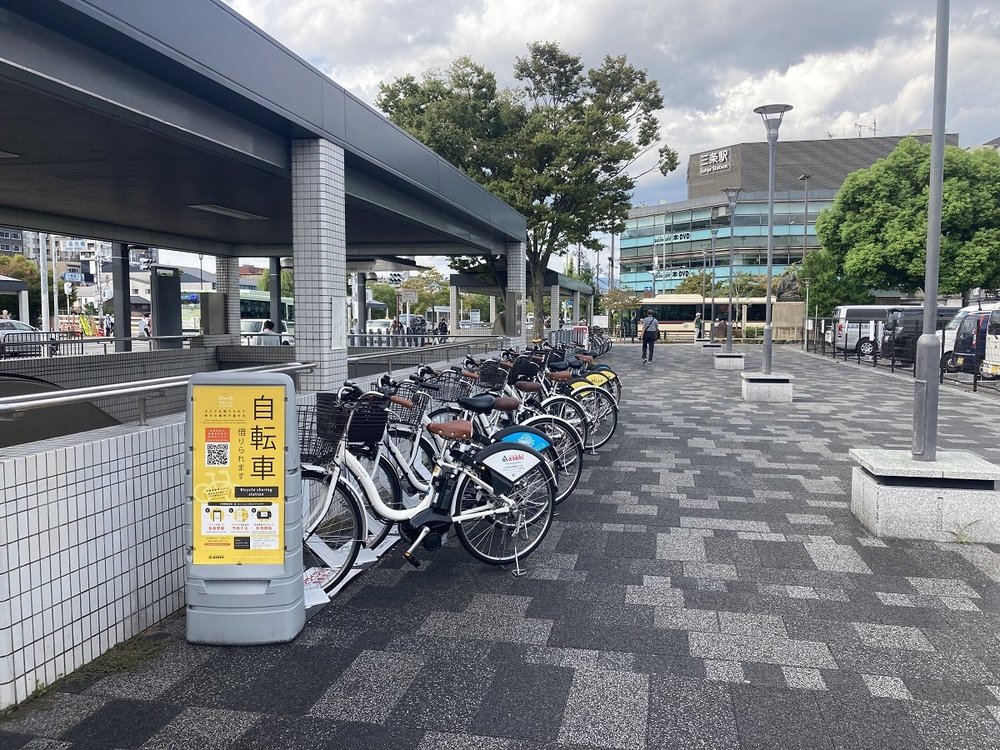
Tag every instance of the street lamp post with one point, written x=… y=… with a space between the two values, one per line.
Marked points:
x=805 y=325
x=715 y=233
x=772 y=115
x=805 y=218
x=733 y=197
x=704 y=258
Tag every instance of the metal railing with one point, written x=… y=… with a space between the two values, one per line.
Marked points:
x=886 y=352
x=12 y=406
x=395 y=357
x=45 y=344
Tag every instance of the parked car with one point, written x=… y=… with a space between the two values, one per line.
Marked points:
x=379 y=327
x=858 y=328
x=19 y=339
x=949 y=331
x=903 y=326
x=990 y=367
x=970 y=344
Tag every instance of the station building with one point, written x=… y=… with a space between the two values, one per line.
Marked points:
x=808 y=175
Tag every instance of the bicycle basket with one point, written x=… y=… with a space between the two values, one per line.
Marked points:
x=405 y=415
x=451 y=386
x=321 y=428
x=492 y=377
x=524 y=369
x=368 y=421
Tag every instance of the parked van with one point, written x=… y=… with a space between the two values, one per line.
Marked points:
x=970 y=344
x=858 y=328
x=903 y=326
x=990 y=367
x=948 y=334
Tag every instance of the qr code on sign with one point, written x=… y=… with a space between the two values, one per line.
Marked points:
x=216 y=454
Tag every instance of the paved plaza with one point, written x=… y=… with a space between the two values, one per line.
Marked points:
x=705 y=587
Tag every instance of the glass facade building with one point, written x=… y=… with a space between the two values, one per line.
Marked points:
x=678 y=234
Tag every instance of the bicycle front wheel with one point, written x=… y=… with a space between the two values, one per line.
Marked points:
x=570 y=410
x=333 y=537
x=568 y=448
x=390 y=492
x=502 y=538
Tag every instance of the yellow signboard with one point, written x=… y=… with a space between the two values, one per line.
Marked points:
x=238 y=474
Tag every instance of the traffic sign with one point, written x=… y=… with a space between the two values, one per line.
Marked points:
x=74 y=277
x=408 y=295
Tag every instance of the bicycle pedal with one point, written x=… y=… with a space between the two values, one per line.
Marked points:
x=411 y=559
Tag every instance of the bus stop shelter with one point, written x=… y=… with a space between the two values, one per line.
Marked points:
x=493 y=283
x=9 y=286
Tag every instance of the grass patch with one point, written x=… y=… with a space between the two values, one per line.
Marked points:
x=125 y=657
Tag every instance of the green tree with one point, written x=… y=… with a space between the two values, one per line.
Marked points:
x=696 y=284
x=16 y=266
x=562 y=149
x=432 y=289
x=287 y=282
x=479 y=302
x=385 y=293
x=875 y=234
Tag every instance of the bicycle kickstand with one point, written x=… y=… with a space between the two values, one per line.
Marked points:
x=517 y=572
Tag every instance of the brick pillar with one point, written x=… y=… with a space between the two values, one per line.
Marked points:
x=554 y=307
x=493 y=308
x=577 y=310
x=514 y=304
x=319 y=243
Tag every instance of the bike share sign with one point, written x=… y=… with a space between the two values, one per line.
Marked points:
x=243 y=531
x=238 y=468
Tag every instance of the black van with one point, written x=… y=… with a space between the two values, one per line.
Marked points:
x=903 y=326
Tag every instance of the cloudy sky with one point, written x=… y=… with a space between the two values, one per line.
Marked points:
x=838 y=63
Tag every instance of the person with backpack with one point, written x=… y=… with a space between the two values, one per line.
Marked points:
x=650 y=330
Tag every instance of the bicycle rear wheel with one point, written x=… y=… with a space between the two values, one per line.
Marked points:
x=569 y=409
x=569 y=452
x=333 y=530
x=602 y=414
x=500 y=539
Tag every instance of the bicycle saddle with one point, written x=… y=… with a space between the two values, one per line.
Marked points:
x=527 y=386
x=559 y=366
x=455 y=429
x=480 y=404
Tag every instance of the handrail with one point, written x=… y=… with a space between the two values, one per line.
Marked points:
x=11 y=406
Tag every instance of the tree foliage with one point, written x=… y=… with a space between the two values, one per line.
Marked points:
x=16 y=266
x=875 y=235
x=696 y=284
x=287 y=282
x=562 y=148
x=432 y=290
x=384 y=293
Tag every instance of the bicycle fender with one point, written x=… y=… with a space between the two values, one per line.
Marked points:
x=523 y=435
x=506 y=463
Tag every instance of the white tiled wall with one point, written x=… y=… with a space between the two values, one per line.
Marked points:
x=91 y=547
x=516 y=280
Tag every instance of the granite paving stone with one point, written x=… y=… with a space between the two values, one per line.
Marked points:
x=706 y=587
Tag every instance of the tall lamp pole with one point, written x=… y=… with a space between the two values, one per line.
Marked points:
x=704 y=257
x=715 y=233
x=772 y=115
x=805 y=215
x=925 y=401
x=733 y=197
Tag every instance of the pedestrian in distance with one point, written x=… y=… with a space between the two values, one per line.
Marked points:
x=650 y=328
x=4 y=315
x=146 y=326
x=699 y=325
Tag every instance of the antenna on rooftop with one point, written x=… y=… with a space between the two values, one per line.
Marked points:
x=860 y=127
x=874 y=127
x=829 y=134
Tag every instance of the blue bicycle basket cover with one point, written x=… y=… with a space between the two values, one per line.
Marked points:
x=530 y=439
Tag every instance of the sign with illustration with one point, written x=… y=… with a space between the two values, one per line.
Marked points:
x=238 y=474
x=512 y=464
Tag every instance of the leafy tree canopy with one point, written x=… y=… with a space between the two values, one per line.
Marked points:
x=287 y=282
x=562 y=148
x=16 y=266
x=384 y=293
x=875 y=234
x=432 y=289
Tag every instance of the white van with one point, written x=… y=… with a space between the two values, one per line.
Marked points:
x=990 y=367
x=951 y=329
x=858 y=328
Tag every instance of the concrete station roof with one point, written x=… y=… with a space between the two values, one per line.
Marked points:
x=476 y=283
x=117 y=117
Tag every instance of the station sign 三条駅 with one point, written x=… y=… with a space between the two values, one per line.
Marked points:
x=238 y=474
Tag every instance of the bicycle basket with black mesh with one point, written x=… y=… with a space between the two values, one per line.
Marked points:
x=451 y=386
x=524 y=368
x=492 y=377
x=321 y=428
x=368 y=422
x=410 y=415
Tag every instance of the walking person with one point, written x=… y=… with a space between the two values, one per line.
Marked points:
x=699 y=325
x=650 y=328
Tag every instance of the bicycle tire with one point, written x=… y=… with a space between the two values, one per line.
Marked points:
x=569 y=452
x=331 y=546
x=426 y=454
x=569 y=409
x=489 y=539
x=602 y=414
